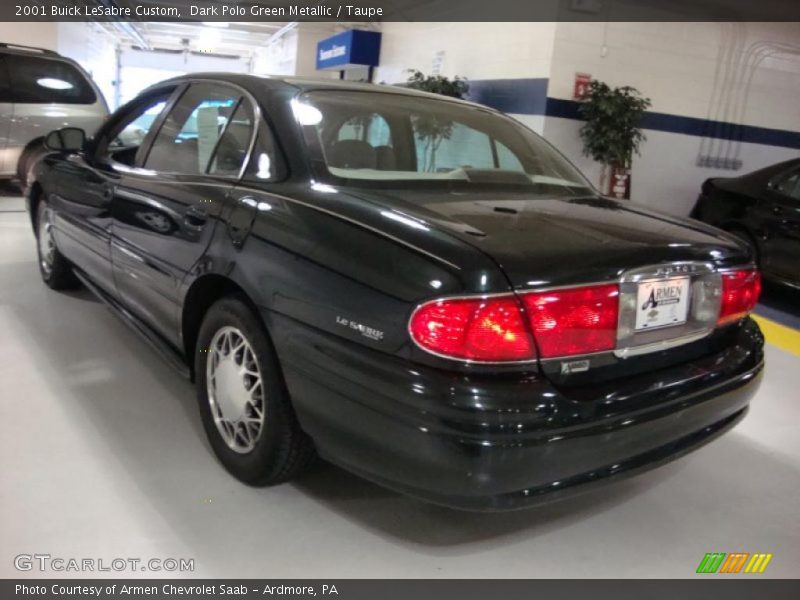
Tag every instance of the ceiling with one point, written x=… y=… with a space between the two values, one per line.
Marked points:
x=222 y=38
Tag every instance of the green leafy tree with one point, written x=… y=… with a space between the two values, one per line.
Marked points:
x=611 y=134
x=458 y=87
x=433 y=129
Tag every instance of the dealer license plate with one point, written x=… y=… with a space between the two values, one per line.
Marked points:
x=662 y=303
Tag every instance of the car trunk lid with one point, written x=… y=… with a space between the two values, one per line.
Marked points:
x=542 y=243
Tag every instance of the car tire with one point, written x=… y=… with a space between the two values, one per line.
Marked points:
x=55 y=269
x=27 y=161
x=239 y=381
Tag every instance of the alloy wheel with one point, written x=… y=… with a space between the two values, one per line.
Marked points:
x=47 y=245
x=235 y=389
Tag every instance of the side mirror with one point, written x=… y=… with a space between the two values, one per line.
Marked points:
x=68 y=139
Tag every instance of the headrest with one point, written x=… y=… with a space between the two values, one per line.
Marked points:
x=352 y=154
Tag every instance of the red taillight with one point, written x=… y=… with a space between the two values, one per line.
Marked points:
x=740 y=292
x=477 y=329
x=574 y=321
x=563 y=322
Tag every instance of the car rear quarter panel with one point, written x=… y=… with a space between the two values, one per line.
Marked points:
x=341 y=275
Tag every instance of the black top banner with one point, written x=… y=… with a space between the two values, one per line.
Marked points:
x=400 y=10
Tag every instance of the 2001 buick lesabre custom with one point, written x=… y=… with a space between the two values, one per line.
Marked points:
x=416 y=288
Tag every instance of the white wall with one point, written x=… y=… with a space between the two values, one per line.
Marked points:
x=684 y=67
x=696 y=70
x=294 y=54
x=471 y=50
x=41 y=35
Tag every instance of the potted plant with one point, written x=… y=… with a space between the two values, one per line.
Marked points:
x=438 y=84
x=611 y=134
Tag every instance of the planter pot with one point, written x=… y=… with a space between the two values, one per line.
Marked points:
x=619 y=183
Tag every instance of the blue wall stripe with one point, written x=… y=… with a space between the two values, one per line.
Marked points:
x=568 y=109
x=529 y=97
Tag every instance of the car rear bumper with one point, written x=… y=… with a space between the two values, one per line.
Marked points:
x=503 y=442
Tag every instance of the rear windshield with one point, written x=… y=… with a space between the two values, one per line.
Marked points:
x=374 y=139
x=37 y=80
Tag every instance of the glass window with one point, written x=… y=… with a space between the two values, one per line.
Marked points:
x=789 y=185
x=122 y=140
x=506 y=159
x=445 y=147
x=135 y=129
x=371 y=128
x=40 y=80
x=427 y=142
x=232 y=148
x=189 y=135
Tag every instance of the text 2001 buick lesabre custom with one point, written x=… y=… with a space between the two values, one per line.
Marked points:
x=416 y=288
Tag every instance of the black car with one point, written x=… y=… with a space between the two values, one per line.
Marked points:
x=416 y=288
x=763 y=208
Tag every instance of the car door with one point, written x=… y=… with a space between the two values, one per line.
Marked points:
x=165 y=210
x=6 y=115
x=780 y=213
x=82 y=185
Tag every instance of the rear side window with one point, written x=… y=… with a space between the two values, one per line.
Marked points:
x=231 y=150
x=36 y=80
x=189 y=136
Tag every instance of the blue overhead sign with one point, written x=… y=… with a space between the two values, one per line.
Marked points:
x=352 y=48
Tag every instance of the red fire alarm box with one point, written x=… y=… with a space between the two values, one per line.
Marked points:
x=582 y=81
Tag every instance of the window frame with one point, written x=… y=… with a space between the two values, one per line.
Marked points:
x=404 y=134
x=100 y=144
x=243 y=95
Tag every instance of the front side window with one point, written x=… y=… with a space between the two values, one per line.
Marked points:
x=121 y=140
x=37 y=80
x=136 y=128
x=189 y=137
x=381 y=139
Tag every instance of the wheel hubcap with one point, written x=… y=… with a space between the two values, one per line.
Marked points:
x=47 y=246
x=235 y=390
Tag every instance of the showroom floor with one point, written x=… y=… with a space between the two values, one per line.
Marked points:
x=104 y=456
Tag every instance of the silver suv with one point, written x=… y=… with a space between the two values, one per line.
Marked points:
x=41 y=90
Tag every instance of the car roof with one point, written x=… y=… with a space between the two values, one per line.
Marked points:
x=260 y=83
x=6 y=48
